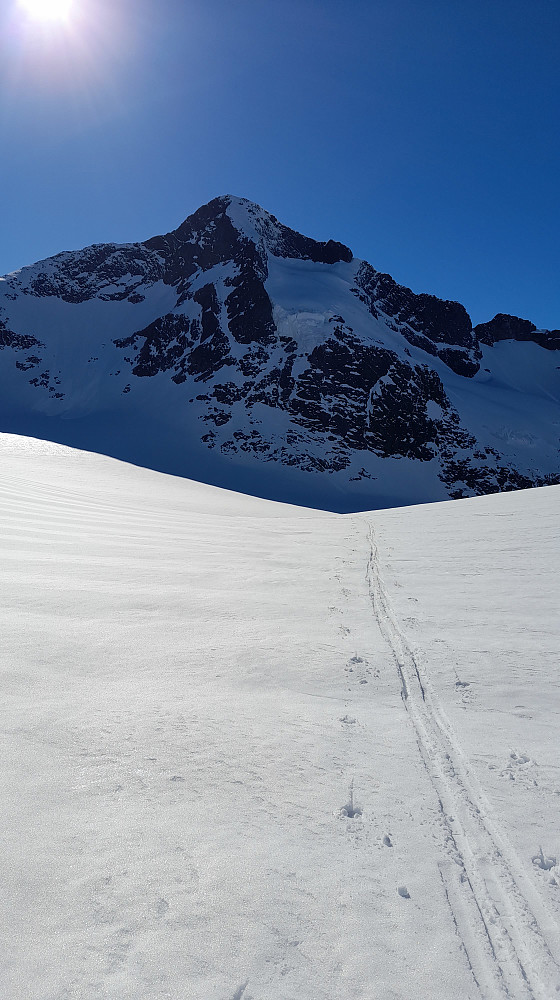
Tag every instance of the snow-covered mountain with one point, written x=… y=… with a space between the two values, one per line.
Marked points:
x=239 y=352
x=337 y=780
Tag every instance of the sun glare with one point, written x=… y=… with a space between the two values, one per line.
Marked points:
x=47 y=10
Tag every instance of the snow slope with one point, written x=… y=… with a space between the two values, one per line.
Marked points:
x=259 y=752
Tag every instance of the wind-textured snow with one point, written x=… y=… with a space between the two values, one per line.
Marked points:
x=259 y=752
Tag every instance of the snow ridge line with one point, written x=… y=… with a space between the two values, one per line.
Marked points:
x=504 y=927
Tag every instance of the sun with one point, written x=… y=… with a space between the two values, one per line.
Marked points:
x=47 y=10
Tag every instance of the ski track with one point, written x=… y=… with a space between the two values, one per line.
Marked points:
x=510 y=940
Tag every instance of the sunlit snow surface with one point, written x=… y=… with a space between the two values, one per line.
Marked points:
x=255 y=752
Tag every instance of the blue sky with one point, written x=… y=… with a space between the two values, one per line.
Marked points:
x=423 y=134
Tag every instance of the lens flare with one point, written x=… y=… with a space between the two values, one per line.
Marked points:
x=47 y=10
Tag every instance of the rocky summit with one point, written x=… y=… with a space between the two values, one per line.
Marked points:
x=236 y=351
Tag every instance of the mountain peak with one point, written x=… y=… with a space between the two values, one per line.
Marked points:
x=237 y=349
x=254 y=223
x=241 y=211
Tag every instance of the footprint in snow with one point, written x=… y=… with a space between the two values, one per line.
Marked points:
x=351 y=810
x=520 y=768
x=541 y=860
x=361 y=669
x=465 y=690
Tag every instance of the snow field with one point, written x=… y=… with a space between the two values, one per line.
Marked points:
x=480 y=678
x=200 y=688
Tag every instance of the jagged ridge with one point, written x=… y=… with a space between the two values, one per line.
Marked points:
x=274 y=362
